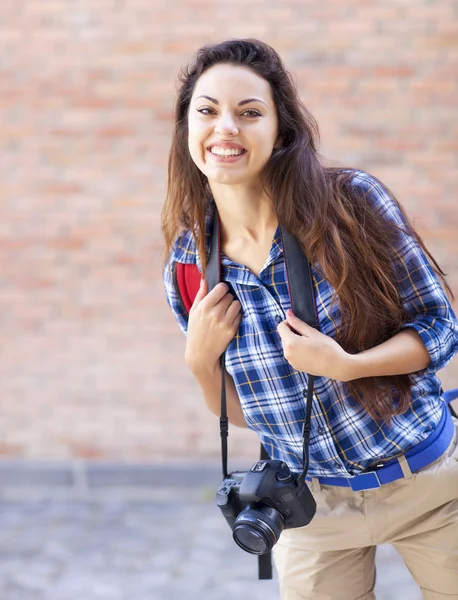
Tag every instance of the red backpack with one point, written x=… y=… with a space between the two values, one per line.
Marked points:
x=188 y=280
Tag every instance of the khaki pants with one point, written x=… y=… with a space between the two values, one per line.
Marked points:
x=333 y=557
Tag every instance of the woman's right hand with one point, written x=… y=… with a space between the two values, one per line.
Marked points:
x=213 y=321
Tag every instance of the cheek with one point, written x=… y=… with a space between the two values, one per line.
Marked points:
x=194 y=148
x=195 y=141
x=265 y=139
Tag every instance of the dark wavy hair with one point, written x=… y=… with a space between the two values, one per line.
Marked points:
x=351 y=244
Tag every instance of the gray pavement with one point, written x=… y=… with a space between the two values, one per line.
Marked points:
x=116 y=545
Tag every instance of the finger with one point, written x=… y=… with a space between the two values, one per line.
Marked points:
x=218 y=292
x=233 y=310
x=284 y=331
x=201 y=293
x=297 y=324
x=215 y=295
x=223 y=305
x=236 y=322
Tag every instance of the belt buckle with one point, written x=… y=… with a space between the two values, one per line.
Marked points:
x=364 y=481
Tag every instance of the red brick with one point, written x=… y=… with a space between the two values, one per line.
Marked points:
x=86 y=116
x=398 y=71
x=62 y=188
x=398 y=145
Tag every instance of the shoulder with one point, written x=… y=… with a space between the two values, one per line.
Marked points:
x=183 y=252
x=378 y=196
x=362 y=182
x=358 y=183
x=184 y=249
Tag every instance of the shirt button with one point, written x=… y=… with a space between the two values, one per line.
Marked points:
x=278 y=318
x=321 y=430
x=304 y=392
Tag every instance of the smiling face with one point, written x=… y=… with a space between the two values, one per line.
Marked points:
x=232 y=124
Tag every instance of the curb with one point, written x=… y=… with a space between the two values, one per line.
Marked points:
x=32 y=480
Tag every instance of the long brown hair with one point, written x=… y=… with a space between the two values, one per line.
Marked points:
x=351 y=244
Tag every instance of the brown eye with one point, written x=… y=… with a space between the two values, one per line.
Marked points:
x=251 y=112
x=206 y=111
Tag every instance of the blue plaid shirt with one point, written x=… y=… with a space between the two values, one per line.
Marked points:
x=345 y=440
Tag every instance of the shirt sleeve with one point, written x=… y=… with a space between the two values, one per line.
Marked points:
x=431 y=314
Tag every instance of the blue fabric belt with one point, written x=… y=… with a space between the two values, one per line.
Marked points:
x=417 y=457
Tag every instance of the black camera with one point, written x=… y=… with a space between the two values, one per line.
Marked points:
x=258 y=504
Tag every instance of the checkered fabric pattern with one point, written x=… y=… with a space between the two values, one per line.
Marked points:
x=345 y=440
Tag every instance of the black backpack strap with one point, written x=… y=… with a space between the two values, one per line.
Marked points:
x=213 y=270
x=300 y=282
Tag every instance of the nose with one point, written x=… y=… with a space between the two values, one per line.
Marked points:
x=226 y=125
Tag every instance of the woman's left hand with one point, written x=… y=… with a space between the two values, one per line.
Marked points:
x=313 y=352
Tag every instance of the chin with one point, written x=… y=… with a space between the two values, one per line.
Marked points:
x=228 y=178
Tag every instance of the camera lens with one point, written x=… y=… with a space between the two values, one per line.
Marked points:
x=257 y=529
x=250 y=540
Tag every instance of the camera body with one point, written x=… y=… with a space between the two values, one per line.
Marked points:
x=258 y=504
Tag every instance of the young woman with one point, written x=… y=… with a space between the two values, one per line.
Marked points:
x=244 y=150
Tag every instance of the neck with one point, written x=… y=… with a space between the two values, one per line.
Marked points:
x=245 y=213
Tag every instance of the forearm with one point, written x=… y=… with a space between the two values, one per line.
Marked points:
x=401 y=354
x=209 y=379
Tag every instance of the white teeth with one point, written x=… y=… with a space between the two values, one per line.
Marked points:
x=226 y=151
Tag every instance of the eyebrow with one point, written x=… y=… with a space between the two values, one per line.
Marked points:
x=241 y=103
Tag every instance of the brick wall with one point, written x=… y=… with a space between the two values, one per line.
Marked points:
x=91 y=359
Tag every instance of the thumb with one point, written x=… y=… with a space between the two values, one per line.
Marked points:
x=296 y=323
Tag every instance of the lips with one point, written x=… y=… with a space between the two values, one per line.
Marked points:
x=226 y=150
x=225 y=145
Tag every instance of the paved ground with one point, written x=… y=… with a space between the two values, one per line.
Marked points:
x=173 y=546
